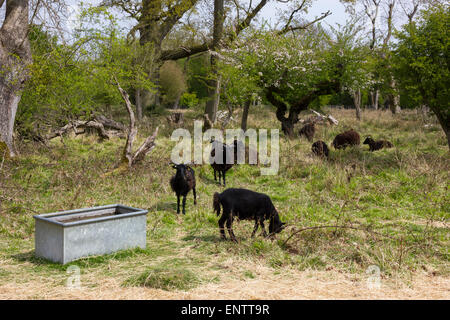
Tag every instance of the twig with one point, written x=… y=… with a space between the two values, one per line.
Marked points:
x=335 y=226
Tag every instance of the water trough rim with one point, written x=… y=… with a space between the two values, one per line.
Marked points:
x=47 y=216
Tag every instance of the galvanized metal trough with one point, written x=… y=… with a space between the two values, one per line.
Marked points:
x=69 y=235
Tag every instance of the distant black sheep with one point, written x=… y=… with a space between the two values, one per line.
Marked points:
x=377 y=145
x=246 y=205
x=345 y=139
x=224 y=166
x=320 y=149
x=308 y=130
x=182 y=182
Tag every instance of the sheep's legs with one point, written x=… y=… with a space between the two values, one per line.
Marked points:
x=178 y=204
x=264 y=233
x=255 y=228
x=184 y=204
x=223 y=178
x=195 y=195
x=230 y=230
x=221 y=223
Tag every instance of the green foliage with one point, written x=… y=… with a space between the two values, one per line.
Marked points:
x=354 y=55
x=197 y=74
x=295 y=65
x=71 y=81
x=57 y=86
x=189 y=100
x=422 y=59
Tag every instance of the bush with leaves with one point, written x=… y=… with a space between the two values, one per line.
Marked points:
x=72 y=81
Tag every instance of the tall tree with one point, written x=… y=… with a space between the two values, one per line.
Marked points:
x=291 y=70
x=155 y=20
x=15 y=56
x=382 y=14
x=422 y=62
x=214 y=83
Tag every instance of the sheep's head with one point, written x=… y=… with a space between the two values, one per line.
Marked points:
x=368 y=140
x=181 y=169
x=276 y=226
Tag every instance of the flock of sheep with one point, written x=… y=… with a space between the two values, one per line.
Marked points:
x=341 y=141
x=246 y=204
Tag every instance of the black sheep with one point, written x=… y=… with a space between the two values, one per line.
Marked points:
x=223 y=166
x=320 y=149
x=377 y=145
x=182 y=182
x=308 y=130
x=246 y=205
x=345 y=139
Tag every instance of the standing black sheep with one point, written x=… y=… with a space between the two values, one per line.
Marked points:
x=223 y=166
x=246 y=204
x=182 y=182
x=308 y=130
x=320 y=149
x=377 y=145
x=345 y=139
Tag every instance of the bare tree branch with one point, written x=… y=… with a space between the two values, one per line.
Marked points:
x=389 y=20
x=304 y=26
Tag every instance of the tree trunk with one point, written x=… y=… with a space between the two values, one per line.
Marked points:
x=138 y=104
x=357 y=103
x=212 y=105
x=444 y=119
x=245 y=114
x=394 y=98
x=176 y=104
x=8 y=108
x=15 y=55
x=152 y=31
x=214 y=84
x=374 y=97
x=287 y=124
x=152 y=98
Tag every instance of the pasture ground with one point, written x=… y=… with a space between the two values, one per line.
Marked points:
x=398 y=200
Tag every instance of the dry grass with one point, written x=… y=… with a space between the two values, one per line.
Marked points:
x=310 y=284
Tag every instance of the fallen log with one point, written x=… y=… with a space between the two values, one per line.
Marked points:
x=109 y=123
x=328 y=118
x=99 y=124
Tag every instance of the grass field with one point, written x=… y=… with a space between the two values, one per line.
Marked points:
x=397 y=200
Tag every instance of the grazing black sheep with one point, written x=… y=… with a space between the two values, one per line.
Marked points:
x=345 y=139
x=320 y=149
x=308 y=130
x=224 y=166
x=182 y=182
x=377 y=145
x=246 y=204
